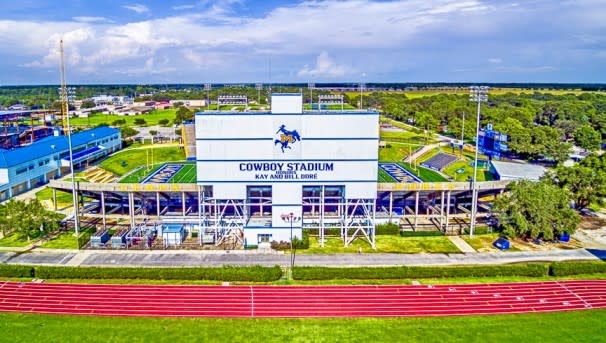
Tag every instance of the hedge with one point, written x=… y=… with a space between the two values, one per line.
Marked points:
x=16 y=270
x=368 y=273
x=421 y=233
x=576 y=268
x=253 y=273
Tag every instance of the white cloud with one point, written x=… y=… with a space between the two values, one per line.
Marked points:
x=137 y=8
x=325 y=67
x=495 y=60
x=88 y=19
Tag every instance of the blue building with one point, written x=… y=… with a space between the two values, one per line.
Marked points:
x=27 y=167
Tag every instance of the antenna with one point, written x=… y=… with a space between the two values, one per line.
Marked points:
x=269 y=83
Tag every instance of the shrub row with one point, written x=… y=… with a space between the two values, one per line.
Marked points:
x=576 y=268
x=16 y=270
x=421 y=233
x=266 y=274
x=368 y=273
x=253 y=273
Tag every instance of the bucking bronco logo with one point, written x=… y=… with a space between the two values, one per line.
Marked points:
x=286 y=138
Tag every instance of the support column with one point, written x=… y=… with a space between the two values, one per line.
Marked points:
x=54 y=199
x=390 y=205
x=447 y=212
x=158 y=204
x=374 y=225
x=199 y=216
x=416 y=210
x=131 y=209
x=103 y=209
x=183 y=203
x=321 y=228
x=442 y=211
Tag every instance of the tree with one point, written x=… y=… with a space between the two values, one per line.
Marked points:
x=27 y=218
x=586 y=181
x=87 y=104
x=163 y=122
x=153 y=132
x=183 y=114
x=119 y=122
x=587 y=138
x=128 y=132
x=535 y=210
x=139 y=121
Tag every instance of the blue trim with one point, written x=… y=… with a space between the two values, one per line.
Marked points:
x=284 y=205
x=341 y=138
x=236 y=139
x=252 y=182
x=307 y=160
x=286 y=94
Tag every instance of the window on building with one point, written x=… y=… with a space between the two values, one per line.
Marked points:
x=21 y=170
x=263 y=238
x=31 y=167
x=40 y=164
x=258 y=199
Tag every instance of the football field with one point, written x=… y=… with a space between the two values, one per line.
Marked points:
x=187 y=174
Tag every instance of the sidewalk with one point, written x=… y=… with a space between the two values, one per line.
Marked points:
x=160 y=258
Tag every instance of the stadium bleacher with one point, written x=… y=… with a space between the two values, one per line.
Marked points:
x=439 y=161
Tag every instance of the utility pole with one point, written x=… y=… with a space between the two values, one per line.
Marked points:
x=479 y=95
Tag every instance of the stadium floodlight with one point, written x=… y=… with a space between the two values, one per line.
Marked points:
x=362 y=87
x=259 y=87
x=311 y=87
x=207 y=88
x=478 y=94
x=291 y=218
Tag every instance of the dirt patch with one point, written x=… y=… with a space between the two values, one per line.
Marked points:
x=592 y=223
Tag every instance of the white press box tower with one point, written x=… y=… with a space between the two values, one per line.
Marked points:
x=255 y=167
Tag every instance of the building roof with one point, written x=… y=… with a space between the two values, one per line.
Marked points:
x=522 y=171
x=52 y=145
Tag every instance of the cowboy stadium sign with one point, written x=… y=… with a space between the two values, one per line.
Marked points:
x=285 y=171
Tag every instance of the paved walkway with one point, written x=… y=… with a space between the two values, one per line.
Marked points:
x=461 y=244
x=162 y=258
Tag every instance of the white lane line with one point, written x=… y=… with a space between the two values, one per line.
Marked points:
x=587 y=305
x=252 y=302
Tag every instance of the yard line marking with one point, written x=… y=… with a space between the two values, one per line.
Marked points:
x=587 y=305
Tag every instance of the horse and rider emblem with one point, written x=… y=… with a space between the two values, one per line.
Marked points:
x=286 y=138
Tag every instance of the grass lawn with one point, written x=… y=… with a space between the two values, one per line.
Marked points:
x=187 y=174
x=151 y=118
x=14 y=240
x=574 y=326
x=425 y=174
x=67 y=240
x=45 y=196
x=126 y=160
x=396 y=152
x=385 y=244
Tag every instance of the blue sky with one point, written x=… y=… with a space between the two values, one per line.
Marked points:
x=189 y=41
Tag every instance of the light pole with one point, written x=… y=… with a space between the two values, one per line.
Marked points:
x=477 y=94
x=362 y=87
x=291 y=218
x=207 y=88
x=462 y=135
x=65 y=96
x=259 y=87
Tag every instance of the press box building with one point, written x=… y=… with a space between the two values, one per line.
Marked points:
x=253 y=168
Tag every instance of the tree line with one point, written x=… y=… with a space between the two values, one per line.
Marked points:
x=538 y=125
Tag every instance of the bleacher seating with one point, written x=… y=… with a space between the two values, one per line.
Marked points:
x=439 y=161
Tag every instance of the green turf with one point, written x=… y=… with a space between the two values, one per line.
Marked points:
x=14 y=240
x=575 y=326
x=424 y=174
x=384 y=176
x=67 y=240
x=396 y=152
x=126 y=160
x=64 y=199
x=187 y=174
x=151 y=118
x=384 y=244
x=140 y=174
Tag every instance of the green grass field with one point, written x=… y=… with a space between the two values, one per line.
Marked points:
x=67 y=240
x=187 y=174
x=384 y=176
x=151 y=118
x=126 y=160
x=14 y=240
x=425 y=174
x=385 y=244
x=574 y=326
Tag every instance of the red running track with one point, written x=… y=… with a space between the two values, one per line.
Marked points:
x=300 y=301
